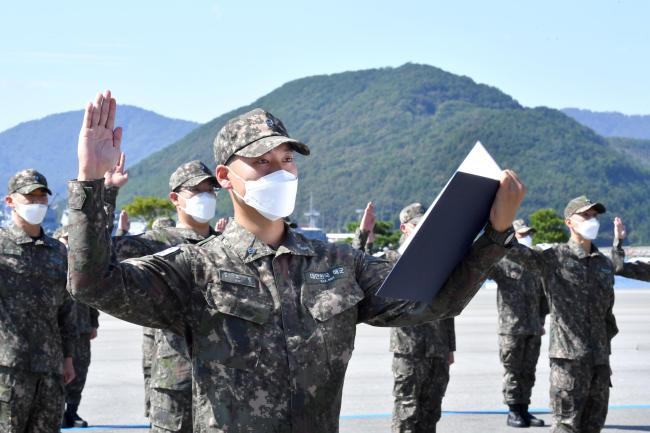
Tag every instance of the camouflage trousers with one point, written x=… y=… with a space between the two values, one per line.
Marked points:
x=30 y=402
x=579 y=396
x=147 y=354
x=81 y=361
x=171 y=410
x=519 y=355
x=420 y=385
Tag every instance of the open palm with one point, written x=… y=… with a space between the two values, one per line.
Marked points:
x=98 y=148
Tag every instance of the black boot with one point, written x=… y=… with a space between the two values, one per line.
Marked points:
x=516 y=416
x=71 y=419
x=532 y=421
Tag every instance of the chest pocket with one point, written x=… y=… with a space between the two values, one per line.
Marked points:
x=231 y=329
x=332 y=305
x=573 y=272
x=11 y=258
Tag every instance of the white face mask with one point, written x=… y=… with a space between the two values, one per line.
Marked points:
x=201 y=207
x=33 y=213
x=526 y=241
x=273 y=195
x=588 y=229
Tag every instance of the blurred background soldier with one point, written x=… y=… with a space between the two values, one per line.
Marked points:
x=165 y=359
x=37 y=316
x=87 y=325
x=422 y=354
x=521 y=306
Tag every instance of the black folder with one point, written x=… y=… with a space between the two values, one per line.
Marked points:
x=446 y=231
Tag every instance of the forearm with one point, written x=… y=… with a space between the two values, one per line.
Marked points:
x=360 y=239
x=133 y=292
x=460 y=287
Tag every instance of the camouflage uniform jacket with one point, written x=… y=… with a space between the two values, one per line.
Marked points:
x=520 y=294
x=634 y=270
x=37 y=317
x=87 y=318
x=272 y=331
x=579 y=288
x=170 y=361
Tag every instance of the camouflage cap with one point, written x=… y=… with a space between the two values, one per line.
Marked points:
x=253 y=134
x=411 y=213
x=191 y=174
x=582 y=204
x=520 y=227
x=26 y=181
x=162 y=222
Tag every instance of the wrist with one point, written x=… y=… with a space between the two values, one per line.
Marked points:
x=504 y=237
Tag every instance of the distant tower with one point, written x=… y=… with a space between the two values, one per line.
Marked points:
x=312 y=214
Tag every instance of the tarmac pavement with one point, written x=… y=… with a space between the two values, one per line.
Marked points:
x=113 y=399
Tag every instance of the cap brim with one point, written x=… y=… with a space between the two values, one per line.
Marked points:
x=263 y=145
x=414 y=220
x=598 y=207
x=194 y=181
x=33 y=187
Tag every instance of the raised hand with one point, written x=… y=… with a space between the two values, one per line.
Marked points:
x=507 y=201
x=619 y=229
x=117 y=176
x=368 y=218
x=221 y=225
x=98 y=148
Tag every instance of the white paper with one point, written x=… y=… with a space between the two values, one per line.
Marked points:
x=478 y=162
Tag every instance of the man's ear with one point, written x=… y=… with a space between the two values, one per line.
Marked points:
x=173 y=197
x=221 y=173
x=9 y=200
x=402 y=228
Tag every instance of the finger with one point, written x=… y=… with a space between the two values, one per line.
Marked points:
x=97 y=105
x=105 y=108
x=88 y=116
x=120 y=164
x=112 y=112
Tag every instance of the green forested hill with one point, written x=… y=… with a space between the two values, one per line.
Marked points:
x=395 y=135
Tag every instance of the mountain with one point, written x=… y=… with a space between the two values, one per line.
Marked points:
x=395 y=135
x=47 y=144
x=612 y=124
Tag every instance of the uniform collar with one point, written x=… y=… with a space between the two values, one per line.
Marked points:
x=577 y=249
x=249 y=248
x=190 y=234
x=20 y=237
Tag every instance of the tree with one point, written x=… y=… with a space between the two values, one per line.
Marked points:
x=149 y=208
x=549 y=227
x=385 y=234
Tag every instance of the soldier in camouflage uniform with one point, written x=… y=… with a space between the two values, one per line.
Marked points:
x=166 y=362
x=422 y=353
x=271 y=315
x=37 y=316
x=521 y=306
x=634 y=270
x=87 y=325
x=579 y=287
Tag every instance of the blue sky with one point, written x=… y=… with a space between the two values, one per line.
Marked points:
x=197 y=59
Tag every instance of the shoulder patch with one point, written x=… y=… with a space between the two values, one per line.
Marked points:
x=235 y=278
x=168 y=252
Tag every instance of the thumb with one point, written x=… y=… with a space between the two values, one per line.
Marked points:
x=117 y=138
